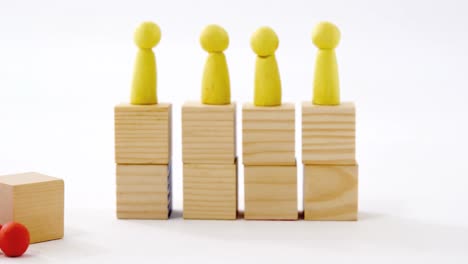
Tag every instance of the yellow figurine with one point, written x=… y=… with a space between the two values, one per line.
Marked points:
x=216 y=88
x=326 y=37
x=264 y=43
x=147 y=36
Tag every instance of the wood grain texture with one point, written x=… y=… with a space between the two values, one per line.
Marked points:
x=329 y=134
x=331 y=192
x=270 y=192
x=144 y=191
x=35 y=200
x=210 y=191
x=208 y=133
x=268 y=134
x=143 y=134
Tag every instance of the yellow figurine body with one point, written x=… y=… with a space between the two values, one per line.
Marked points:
x=144 y=86
x=326 y=37
x=264 y=43
x=216 y=89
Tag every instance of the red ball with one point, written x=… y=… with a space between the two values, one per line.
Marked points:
x=14 y=239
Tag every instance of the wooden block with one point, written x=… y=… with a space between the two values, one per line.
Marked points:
x=270 y=192
x=331 y=192
x=143 y=134
x=208 y=133
x=268 y=134
x=329 y=134
x=144 y=191
x=36 y=201
x=210 y=191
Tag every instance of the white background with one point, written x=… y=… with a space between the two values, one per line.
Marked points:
x=64 y=65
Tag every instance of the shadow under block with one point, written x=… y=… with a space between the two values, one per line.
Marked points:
x=36 y=201
x=329 y=134
x=143 y=134
x=144 y=191
x=268 y=134
x=210 y=191
x=270 y=192
x=208 y=133
x=331 y=192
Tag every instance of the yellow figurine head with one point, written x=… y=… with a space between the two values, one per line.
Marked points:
x=326 y=35
x=264 y=42
x=147 y=35
x=214 y=39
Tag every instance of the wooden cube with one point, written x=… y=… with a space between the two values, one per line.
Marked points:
x=331 y=192
x=268 y=134
x=143 y=134
x=270 y=192
x=210 y=191
x=143 y=191
x=36 y=201
x=208 y=133
x=329 y=134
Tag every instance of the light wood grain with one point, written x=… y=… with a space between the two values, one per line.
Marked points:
x=143 y=191
x=210 y=191
x=329 y=134
x=268 y=134
x=270 y=192
x=143 y=134
x=208 y=133
x=330 y=192
x=36 y=201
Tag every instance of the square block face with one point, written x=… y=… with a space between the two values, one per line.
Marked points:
x=331 y=192
x=35 y=200
x=143 y=191
x=208 y=133
x=210 y=191
x=329 y=134
x=270 y=192
x=268 y=135
x=143 y=134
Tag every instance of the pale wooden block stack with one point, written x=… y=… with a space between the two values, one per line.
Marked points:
x=210 y=163
x=330 y=168
x=270 y=170
x=36 y=201
x=143 y=157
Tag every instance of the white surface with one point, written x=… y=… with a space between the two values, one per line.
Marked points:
x=63 y=66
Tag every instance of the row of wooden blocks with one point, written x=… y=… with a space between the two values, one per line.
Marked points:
x=143 y=134
x=270 y=171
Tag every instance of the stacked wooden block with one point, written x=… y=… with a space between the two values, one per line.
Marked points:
x=36 y=201
x=270 y=171
x=210 y=163
x=143 y=156
x=330 y=168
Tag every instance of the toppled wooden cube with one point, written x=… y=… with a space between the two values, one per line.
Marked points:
x=36 y=201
